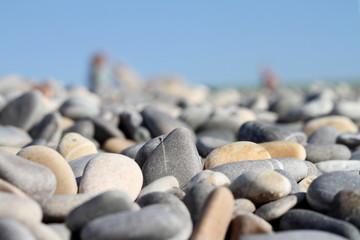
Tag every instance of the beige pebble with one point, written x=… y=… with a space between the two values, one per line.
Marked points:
x=66 y=123
x=65 y=178
x=9 y=149
x=279 y=149
x=305 y=183
x=9 y=188
x=261 y=186
x=160 y=185
x=73 y=146
x=234 y=152
x=116 y=145
x=243 y=205
x=43 y=232
x=110 y=171
x=247 y=224
x=341 y=123
x=216 y=178
x=216 y=216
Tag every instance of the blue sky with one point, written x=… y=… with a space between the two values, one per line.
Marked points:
x=211 y=42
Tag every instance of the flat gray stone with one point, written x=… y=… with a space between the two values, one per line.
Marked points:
x=276 y=209
x=295 y=235
x=78 y=108
x=13 y=137
x=338 y=165
x=318 y=153
x=324 y=135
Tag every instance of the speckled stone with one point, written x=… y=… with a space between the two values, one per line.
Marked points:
x=341 y=123
x=279 y=149
x=260 y=186
x=234 y=152
x=146 y=150
x=110 y=171
x=73 y=146
x=65 y=179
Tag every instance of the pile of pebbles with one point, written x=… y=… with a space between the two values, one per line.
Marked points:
x=169 y=161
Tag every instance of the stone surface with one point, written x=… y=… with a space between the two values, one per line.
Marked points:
x=320 y=193
x=351 y=140
x=11 y=229
x=78 y=165
x=216 y=178
x=279 y=149
x=20 y=172
x=65 y=179
x=146 y=150
x=260 y=186
x=132 y=151
x=341 y=123
x=216 y=216
x=109 y=171
x=175 y=156
x=319 y=153
x=103 y=204
x=22 y=209
x=346 y=206
x=160 y=185
x=324 y=135
x=295 y=235
x=43 y=232
x=259 y=132
x=276 y=209
x=105 y=129
x=297 y=168
x=338 y=165
x=242 y=205
x=73 y=146
x=13 y=137
x=116 y=145
x=78 y=108
x=61 y=230
x=195 y=115
x=84 y=127
x=234 y=152
x=293 y=182
x=348 y=108
x=49 y=129
x=305 y=183
x=23 y=112
x=306 y=219
x=9 y=188
x=207 y=144
x=246 y=224
x=56 y=208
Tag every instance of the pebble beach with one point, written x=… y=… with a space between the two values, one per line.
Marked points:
x=167 y=160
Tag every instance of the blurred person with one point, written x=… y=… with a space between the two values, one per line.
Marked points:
x=99 y=78
x=269 y=79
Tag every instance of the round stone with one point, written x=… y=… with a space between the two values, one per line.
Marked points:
x=341 y=123
x=234 y=152
x=116 y=145
x=160 y=185
x=242 y=205
x=110 y=171
x=324 y=135
x=261 y=186
x=65 y=179
x=73 y=146
x=276 y=209
x=279 y=149
x=216 y=178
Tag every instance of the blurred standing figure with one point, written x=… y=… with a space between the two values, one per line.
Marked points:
x=99 y=73
x=270 y=80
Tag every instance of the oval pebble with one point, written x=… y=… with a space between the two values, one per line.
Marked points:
x=341 y=123
x=160 y=185
x=295 y=235
x=73 y=146
x=246 y=224
x=216 y=178
x=338 y=165
x=277 y=208
x=11 y=229
x=279 y=149
x=319 y=153
x=346 y=206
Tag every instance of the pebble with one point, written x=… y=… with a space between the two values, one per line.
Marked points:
x=132 y=151
x=346 y=206
x=243 y=205
x=246 y=224
x=347 y=108
x=9 y=188
x=279 y=149
x=61 y=230
x=195 y=115
x=351 y=140
x=78 y=165
x=39 y=188
x=23 y=112
x=73 y=146
x=116 y=145
x=56 y=208
x=84 y=127
x=13 y=150
x=101 y=205
x=306 y=219
x=105 y=129
x=65 y=179
x=146 y=150
x=78 y=108
x=355 y=155
x=324 y=135
x=260 y=186
x=234 y=152
x=341 y=123
x=277 y=208
x=11 y=136
x=293 y=182
x=130 y=121
x=296 y=167
x=319 y=153
x=216 y=216
x=43 y=232
x=320 y=193
x=49 y=129
x=305 y=183
x=259 y=132
x=22 y=209
x=208 y=176
x=295 y=235
x=225 y=135
x=338 y=165
x=317 y=107
x=160 y=185
x=111 y=171
x=207 y=144
x=11 y=229
x=175 y=156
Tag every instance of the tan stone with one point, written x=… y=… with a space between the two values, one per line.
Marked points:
x=9 y=188
x=245 y=115
x=116 y=145
x=73 y=146
x=260 y=186
x=216 y=216
x=243 y=205
x=216 y=178
x=13 y=150
x=305 y=183
x=234 y=152
x=110 y=171
x=160 y=185
x=66 y=122
x=341 y=123
x=279 y=149
x=65 y=178
x=247 y=224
